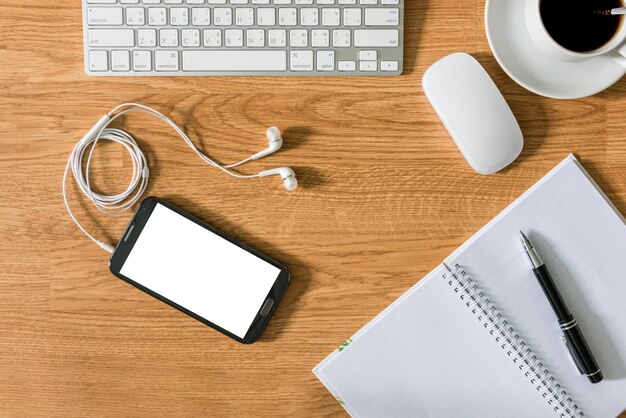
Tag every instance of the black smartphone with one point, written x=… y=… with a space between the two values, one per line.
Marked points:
x=199 y=270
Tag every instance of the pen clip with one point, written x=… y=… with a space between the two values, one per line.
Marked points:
x=572 y=355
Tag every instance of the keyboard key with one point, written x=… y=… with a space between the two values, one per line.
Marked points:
x=325 y=60
x=233 y=38
x=166 y=60
x=287 y=16
x=367 y=66
x=146 y=37
x=168 y=38
x=352 y=17
x=346 y=65
x=389 y=66
x=341 y=38
x=298 y=38
x=98 y=61
x=190 y=37
x=104 y=16
x=244 y=16
x=135 y=16
x=368 y=55
x=330 y=17
x=111 y=37
x=201 y=16
x=179 y=16
x=212 y=38
x=301 y=61
x=157 y=16
x=364 y=38
x=266 y=16
x=277 y=38
x=142 y=61
x=382 y=17
x=196 y=60
x=120 y=60
x=309 y=17
x=320 y=38
x=222 y=17
x=255 y=38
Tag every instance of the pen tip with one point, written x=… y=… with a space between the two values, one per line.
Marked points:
x=525 y=241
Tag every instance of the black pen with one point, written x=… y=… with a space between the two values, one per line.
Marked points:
x=572 y=336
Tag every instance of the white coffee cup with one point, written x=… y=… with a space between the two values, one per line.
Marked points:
x=616 y=47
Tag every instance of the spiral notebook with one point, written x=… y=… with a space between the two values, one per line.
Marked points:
x=480 y=340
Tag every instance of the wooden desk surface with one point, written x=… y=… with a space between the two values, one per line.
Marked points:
x=385 y=195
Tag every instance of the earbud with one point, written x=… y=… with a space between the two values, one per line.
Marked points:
x=287 y=174
x=275 y=142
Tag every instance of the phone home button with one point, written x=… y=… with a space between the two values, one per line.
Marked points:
x=265 y=309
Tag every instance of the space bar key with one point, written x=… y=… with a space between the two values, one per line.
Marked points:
x=234 y=60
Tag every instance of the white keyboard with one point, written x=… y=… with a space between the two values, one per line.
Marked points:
x=243 y=37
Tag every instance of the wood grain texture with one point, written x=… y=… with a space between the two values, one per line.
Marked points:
x=384 y=197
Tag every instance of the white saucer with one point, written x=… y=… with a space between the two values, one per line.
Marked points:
x=525 y=63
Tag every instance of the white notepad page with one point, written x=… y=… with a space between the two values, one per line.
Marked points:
x=582 y=240
x=427 y=355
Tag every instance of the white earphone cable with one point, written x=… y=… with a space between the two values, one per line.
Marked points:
x=117 y=204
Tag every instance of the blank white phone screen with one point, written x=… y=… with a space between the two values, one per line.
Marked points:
x=199 y=271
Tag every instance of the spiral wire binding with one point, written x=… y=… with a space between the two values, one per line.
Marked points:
x=510 y=341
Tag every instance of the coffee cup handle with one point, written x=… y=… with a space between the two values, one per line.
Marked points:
x=619 y=55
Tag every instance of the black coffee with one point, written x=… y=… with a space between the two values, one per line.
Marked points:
x=576 y=24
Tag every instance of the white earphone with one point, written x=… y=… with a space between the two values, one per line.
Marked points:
x=287 y=174
x=275 y=143
x=117 y=204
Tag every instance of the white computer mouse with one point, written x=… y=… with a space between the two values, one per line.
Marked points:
x=474 y=112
